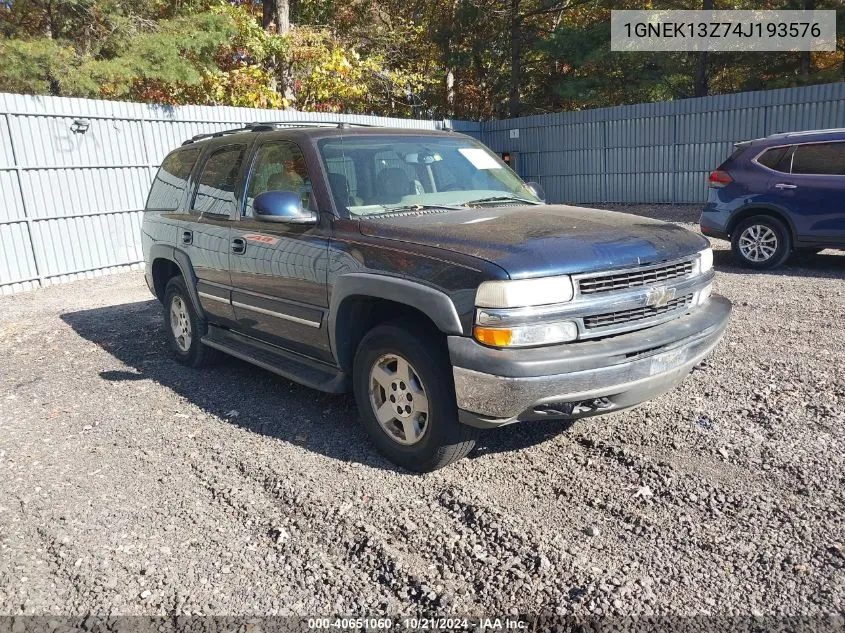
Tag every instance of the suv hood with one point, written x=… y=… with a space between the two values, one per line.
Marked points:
x=540 y=240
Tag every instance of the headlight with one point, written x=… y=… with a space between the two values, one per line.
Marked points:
x=527 y=335
x=520 y=293
x=705 y=260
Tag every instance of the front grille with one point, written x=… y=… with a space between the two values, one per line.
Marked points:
x=635 y=314
x=633 y=278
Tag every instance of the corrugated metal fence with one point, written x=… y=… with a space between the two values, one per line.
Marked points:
x=654 y=152
x=70 y=203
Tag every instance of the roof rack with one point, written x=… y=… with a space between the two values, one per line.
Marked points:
x=834 y=130
x=266 y=126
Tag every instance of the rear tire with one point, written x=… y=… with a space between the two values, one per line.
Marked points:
x=405 y=393
x=184 y=327
x=761 y=242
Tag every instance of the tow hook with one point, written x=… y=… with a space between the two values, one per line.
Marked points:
x=568 y=409
x=597 y=404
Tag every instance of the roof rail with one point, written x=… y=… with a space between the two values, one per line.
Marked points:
x=265 y=126
x=268 y=125
x=200 y=137
x=833 y=130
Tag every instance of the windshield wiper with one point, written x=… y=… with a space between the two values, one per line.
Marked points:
x=402 y=208
x=501 y=199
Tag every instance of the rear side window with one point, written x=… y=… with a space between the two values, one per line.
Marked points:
x=776 y=158
x=172 y=180
x=216 y=193
x=825 y=159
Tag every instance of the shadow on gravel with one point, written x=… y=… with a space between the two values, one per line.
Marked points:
x=247 y=396
x=515 y=437
x=829 y=264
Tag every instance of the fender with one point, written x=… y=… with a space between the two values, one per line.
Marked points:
x=436 y=305
x=183 y=262
x=747 y=210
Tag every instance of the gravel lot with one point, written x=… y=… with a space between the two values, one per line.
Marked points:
x=132 y=485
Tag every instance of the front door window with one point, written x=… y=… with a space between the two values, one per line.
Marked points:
x=279 y=166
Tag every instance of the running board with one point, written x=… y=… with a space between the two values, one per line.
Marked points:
x=311 y=373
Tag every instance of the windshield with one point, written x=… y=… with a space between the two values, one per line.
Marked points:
x=376 y=174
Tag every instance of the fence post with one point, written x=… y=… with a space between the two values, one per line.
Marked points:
x=27 y=218
x=675 y=158
x=605 y=189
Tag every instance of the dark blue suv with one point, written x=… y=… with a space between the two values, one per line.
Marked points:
x=779 y=194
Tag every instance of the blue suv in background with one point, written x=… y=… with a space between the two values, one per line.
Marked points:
x=779 y=194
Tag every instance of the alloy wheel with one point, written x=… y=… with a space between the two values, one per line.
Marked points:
x=758 y=243
x=399 y=399
x=180 y=323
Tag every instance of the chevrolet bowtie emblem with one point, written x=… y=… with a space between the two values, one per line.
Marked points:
x=659 y=296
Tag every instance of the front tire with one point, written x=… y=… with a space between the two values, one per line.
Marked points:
x=184 y=326
x=761 y=242
x=406 y=398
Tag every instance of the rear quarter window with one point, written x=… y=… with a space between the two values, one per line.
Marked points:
x=171 y=181
x=776 y=158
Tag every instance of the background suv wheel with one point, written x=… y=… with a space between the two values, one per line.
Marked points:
x=406 y=397
x=184 y=327
x=761 y=242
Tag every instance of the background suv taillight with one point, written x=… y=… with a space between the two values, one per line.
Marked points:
x=719 y=178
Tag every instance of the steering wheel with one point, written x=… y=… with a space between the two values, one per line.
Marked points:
x=452 y=187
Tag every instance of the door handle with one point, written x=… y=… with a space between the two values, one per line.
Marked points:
x=238 y=246
x=783 y=185
x=187 y=237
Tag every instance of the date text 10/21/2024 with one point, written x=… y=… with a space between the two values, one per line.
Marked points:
x=419 y=624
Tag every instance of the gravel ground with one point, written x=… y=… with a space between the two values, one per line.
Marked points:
x=132 y=485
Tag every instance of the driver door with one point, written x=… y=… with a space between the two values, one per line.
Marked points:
x=279 y=270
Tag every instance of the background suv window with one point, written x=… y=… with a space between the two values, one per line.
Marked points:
x=216 y=191
x=776 y=158
x=819 y=158
x=279 y=166
x=172 y=180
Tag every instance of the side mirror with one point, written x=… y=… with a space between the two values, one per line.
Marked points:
x=537 y=189
x=281 y=206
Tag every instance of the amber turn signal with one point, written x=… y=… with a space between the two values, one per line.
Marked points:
x=492 y=336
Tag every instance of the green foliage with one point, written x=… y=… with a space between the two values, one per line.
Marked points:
x=401 y=57
x=115 y=51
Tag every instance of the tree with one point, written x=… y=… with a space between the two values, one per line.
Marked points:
x=475 y=59
x=276 y=14
x=701 y=80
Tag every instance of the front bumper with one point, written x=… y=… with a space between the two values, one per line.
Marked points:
x=496 y=387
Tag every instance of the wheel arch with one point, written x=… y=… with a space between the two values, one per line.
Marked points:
x=758 y=209
x=360 y=301
x=165 y=263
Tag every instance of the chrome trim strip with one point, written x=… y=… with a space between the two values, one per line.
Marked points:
x=214 y=283
x=278 y=315
x=205 y=295
x=589 y=305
